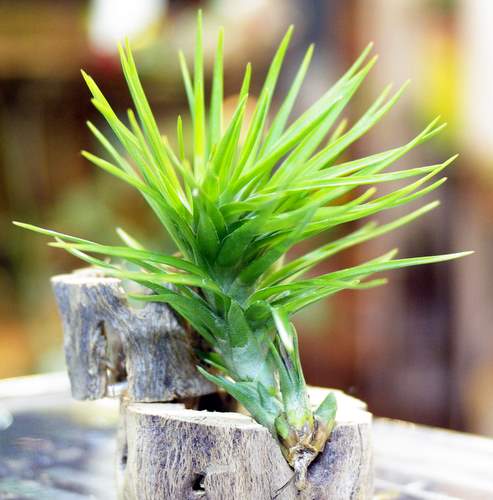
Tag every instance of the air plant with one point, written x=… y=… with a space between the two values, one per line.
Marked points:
x=247 y=195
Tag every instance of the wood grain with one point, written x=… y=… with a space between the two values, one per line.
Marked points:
x=175 y=453
x=112 y=348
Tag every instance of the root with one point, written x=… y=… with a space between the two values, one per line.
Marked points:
x=301 y=463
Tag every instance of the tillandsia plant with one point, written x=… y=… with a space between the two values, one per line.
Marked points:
x=247 y=195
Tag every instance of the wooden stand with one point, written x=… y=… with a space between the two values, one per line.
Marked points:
x=165 y=451
x=169 y=452
x=112 y=348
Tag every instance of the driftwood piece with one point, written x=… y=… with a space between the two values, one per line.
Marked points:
x=112 y=348
x=174 y=453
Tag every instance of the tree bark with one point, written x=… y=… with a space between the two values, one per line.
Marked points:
x=175 y=453
x=112 y=348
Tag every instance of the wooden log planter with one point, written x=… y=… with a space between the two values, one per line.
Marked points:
x=112 y=348
x=169 y=452
x=166 y=450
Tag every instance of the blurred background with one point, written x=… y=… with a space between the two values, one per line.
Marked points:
x=420 y=348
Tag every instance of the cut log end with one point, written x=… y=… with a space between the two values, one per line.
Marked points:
x=172 y=452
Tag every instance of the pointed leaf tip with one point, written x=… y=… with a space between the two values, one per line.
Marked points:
x=327 y=409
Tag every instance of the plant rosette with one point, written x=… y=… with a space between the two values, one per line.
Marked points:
x=235 y=205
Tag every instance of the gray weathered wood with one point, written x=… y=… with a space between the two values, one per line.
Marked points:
x=113 y=348
x=173 y=453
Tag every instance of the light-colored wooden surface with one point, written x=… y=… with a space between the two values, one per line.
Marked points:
x=52 y=447
x=414 y=461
